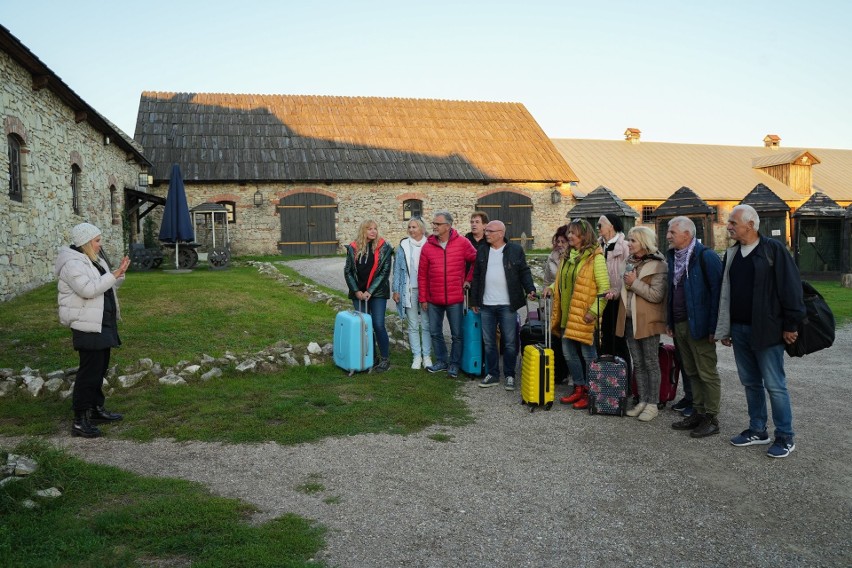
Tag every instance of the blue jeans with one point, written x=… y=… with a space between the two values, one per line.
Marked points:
x=760 y=372
x=505 y=316
x=577 y=356
x=377 y=307
x=436 y=325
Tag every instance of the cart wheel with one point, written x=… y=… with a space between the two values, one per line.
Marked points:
x=142 y=260
x=219 y=258
x=187 y=258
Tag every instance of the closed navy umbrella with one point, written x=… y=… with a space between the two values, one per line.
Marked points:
x=177 y=224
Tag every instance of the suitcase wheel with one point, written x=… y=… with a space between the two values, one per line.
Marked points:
x=548 y=406
x=592 y=408
x=351 y=372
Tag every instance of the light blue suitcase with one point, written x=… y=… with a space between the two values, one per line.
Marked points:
x=353 y=341
x=471 y=359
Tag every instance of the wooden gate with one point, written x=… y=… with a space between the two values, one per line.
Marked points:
x=307 y=225
x=774 y=227
x=515 y=210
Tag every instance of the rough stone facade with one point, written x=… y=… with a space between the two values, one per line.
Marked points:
x=257 y=230
x=52 y=142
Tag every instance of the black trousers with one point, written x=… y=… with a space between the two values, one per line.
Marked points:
x=610 y=343
x=88 y=386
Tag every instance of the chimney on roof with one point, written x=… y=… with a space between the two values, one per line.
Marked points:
x=632 y=135
x=772 y=141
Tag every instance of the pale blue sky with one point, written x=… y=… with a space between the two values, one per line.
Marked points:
x=711 y=72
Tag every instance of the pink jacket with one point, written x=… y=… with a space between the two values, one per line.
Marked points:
x=441 y=273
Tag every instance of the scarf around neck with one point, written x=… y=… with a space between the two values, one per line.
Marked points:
x=681 y=261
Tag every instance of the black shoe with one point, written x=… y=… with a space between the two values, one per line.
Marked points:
x=689 y=423
x=382 y=366
x=708 y=427
x=100 y=415
x=82 y=427
x=682 y=404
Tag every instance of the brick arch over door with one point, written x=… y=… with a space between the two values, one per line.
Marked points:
x=514 y=209
x=307 y=224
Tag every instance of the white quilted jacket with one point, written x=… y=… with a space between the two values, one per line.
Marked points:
x=81 y=290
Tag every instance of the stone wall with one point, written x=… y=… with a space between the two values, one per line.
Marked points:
x=31 y=231
x=258 y=229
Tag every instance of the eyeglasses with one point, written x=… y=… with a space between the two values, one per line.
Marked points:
x=434 y=224
x=493 y=230
x=599 y=225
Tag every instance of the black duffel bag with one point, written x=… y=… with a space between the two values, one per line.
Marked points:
x=816 y=331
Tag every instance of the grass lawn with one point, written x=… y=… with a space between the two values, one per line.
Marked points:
x=110 y=518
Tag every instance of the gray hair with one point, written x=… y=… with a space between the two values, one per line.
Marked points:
x=684 y=223
x=747 y=213
x=446 y=215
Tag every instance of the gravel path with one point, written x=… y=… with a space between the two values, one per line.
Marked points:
x=552 y=488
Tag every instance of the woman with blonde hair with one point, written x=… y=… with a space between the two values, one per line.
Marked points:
x=406 y=294
x=89 y=306
x=642 y=317
x=367 y=273
x=582 y=275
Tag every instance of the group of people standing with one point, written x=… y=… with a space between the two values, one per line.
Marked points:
x=620 y=287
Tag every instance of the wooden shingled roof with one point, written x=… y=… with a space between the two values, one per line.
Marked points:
x=763 y=200
x=685 y=202
x=238 y=137
x=820 y=205
x=599 y=202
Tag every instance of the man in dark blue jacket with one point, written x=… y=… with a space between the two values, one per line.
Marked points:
x=501 y=277
x=695 y=277
x=760 y=309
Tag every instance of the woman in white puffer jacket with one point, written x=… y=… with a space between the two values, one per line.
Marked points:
x=89 y=306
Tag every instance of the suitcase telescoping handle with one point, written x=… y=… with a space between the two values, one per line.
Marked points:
x=548 y=339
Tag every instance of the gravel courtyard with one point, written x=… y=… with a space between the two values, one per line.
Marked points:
x=558 y=488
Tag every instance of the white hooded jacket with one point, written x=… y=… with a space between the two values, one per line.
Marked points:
x=81 y=290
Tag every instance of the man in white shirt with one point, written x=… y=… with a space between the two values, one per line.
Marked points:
x=501 y=277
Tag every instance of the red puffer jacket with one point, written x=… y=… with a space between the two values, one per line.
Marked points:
x=441 y=274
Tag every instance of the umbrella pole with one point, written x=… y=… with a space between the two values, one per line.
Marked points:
x=177 y=264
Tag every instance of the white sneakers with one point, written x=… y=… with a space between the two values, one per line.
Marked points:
x=636 y=410
x=427 y=361
x=649 y=413
x=418 y=363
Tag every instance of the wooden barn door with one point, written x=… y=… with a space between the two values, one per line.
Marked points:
x=307 y=225
x=515 y=210
x=819 y=245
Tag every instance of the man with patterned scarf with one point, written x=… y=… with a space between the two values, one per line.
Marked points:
x=695 y=279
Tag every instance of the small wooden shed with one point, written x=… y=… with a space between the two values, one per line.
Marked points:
x=685 y=203
x=600 y=202
x=818 y=236
x=773 y=212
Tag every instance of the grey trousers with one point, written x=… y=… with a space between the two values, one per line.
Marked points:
x=646 y=363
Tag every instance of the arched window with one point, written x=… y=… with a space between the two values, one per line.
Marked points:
x=16 y=189
x=75 y=189
x=412 y=208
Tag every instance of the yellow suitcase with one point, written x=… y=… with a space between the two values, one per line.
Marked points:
x=537 y=371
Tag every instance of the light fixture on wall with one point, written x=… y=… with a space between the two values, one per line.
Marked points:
x=258 y=198
x=555 y=196
x=143 y=179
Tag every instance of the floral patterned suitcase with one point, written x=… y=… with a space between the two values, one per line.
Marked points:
x=607 y=385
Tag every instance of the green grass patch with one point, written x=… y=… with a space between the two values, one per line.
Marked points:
x=441 y=437
x=299 y=404
x=838 y=298
x=170 y=317
x=110 y=518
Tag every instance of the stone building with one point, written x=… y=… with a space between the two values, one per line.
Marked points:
x=647 y=174
x=300 y=173
x=63 y=163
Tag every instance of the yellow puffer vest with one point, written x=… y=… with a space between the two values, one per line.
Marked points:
x=583 y=295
